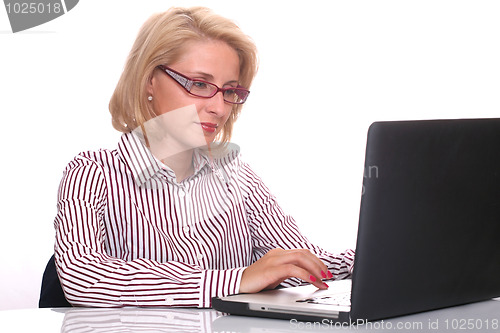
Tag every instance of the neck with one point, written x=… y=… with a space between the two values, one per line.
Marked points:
x=177 y=157
x=181 y=164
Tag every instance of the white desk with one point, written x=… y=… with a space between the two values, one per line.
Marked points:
x=478 y=317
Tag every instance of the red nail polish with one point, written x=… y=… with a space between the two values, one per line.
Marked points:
x=330 y=275
x=312 y=278
x=323 y=275
x=326 y=285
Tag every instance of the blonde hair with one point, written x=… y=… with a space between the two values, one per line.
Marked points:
x=160 y=41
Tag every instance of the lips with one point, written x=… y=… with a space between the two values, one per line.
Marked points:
x=209 y=127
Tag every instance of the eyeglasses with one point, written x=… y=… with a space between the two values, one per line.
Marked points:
x=200 y=88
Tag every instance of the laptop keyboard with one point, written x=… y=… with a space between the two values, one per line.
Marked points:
x=342 y=299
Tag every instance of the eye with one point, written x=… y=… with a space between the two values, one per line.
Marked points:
x=229 y=92
x=200 y=85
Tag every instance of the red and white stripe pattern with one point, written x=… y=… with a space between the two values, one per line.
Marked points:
x=128 y=234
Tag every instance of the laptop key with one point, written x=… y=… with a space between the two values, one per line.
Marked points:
x=343 y=299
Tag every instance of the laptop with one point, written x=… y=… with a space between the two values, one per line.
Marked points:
x=428 y=233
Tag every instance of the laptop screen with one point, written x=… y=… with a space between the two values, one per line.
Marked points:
x=429 y=218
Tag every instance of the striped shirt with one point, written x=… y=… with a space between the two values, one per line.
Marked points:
x=129 y=234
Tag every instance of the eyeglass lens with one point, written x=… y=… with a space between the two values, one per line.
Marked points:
x=205 y=89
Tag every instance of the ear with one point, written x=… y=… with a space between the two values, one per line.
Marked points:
x=151 y=83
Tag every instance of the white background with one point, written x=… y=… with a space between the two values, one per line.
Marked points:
x=328 y=69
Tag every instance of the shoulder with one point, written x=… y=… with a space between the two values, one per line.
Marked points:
x=84 y=177
x=90 y=166
x=100 y=159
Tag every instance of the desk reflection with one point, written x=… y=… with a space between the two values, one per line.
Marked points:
x=481 y=316
x=166 y=320
x=138 y=320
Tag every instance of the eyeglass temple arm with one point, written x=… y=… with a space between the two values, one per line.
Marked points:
x=183 y=81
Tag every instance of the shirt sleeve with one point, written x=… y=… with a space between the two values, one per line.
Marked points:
x=91 y=277
x=272 y=228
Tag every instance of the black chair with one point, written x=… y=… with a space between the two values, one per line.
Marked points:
x=51 y=294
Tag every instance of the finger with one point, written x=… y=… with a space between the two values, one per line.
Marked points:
x=307 y=253
x=319 y=272
x=304 y=259
x=290 y=271
x=295 y=264
x=277 y=265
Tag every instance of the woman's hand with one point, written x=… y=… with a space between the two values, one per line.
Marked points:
x=278 y=265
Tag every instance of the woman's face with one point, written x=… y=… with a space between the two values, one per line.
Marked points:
x=194 y=121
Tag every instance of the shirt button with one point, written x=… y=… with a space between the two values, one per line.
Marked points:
x=182 y=193
x=169 y=301
x=185 y=229
x=199 y=256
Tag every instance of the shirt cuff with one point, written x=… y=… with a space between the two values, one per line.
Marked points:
x=349 y=259
x=219 y=283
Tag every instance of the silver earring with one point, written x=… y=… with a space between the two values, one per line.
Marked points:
x=150 y=98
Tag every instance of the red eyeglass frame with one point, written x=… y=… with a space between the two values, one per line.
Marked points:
x=186 y=82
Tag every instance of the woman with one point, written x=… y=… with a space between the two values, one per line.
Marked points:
x=170 y=217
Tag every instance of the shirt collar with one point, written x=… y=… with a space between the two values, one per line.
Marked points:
x=144 y=165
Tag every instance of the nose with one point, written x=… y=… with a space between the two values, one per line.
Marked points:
x=216 y=105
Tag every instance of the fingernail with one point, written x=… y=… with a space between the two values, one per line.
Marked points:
x=323 y=275
x=330 y=275
x=312 y=278
x=326 y=285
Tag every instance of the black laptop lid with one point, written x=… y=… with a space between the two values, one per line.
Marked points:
x=429 y=218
